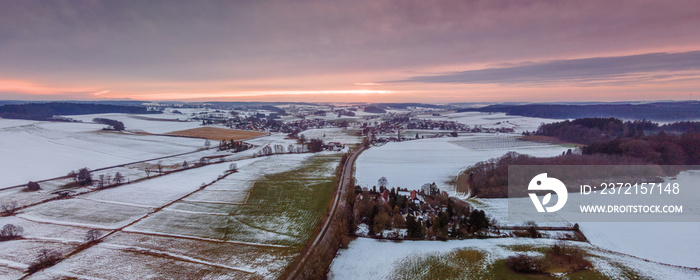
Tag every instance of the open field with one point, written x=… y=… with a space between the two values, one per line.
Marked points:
x=150 y=123
x=39 y=150
x=215 y=133
x=674 y=243
x=481 y=259
x=248 y=225
x=618 y=250
x=341 y=135
x=411 y=164
x=493 y=120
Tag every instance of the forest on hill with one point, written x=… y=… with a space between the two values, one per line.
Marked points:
x=607 y=141
x=46 y=111
x=659 y=111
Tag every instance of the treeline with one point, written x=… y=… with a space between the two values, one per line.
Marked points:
x=679 y=127
x=45 y=111
x=590 y=130
x=662 y=148
x=681 y=110
x=489 y=179
x=114 y=124
x=234 y=145
x=609 y=141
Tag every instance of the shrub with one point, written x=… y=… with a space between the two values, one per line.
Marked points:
x=8 y=208
x=569 y=257
x=10 y=231
x=526 y=264
x=93 y=235
x=83 y=177
x=46 y=258
x=33 y=186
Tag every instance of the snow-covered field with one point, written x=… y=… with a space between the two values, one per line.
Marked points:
x=340 y=135
x=205 y=233
x=151 y=123
x=169 y=222
x=40 y=150
x=411 y=164
x=374 y=259
x=493 y=120
x=675 y=243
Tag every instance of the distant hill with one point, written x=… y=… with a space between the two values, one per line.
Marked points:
x=252 y=104
x=406 y=105
x=658 y=111
x=375 y=110
x=45 y=111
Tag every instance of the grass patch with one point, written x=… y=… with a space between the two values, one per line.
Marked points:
x=457 y=264
x=71 y=185
x=499 y=270
x=473 y=264
x=522 y=248
x=290 y=203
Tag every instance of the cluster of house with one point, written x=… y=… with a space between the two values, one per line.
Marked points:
x=421 y=205
x=310 y=111
x=334 y=146
x=395 y=125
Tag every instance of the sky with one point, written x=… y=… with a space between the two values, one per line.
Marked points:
x=350 y=51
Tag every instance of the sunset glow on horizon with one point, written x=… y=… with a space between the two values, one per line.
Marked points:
x=359 y=51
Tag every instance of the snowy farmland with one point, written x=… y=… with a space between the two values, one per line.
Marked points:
x=40 y=150
x=674 y=243
x=375 y=259
x=493 y=120
x=203 y=222
x=149 y=123
x=159 y=226
x=410 y=164
x=619 y=250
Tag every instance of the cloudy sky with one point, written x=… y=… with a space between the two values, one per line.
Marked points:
x=350 y=51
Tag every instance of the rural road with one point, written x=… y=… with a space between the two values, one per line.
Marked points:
x=342 y=186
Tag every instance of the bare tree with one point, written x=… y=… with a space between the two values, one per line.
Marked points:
x=93 y=235
x=8 y=207
x=185 y=165
x=46 y=258
x=118 y=178
x=233 y=167
x=290 y=149
x=383 y=182
x=160 y=167
x=102 y=181
x=267 y=150
x=148 y=172
x=10 y=231
x=84 y=177
x=207 y=143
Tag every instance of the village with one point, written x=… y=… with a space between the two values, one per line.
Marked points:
x=432 y=214
x=393 y=126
